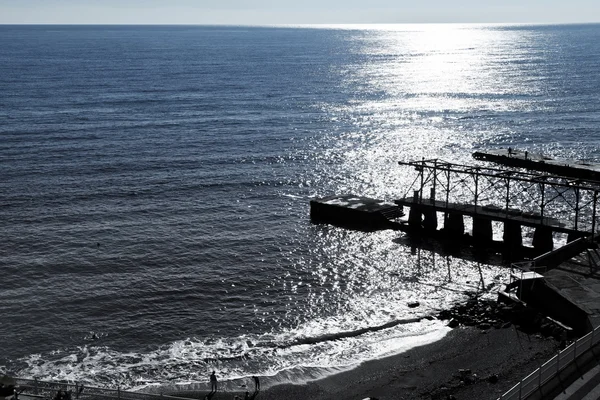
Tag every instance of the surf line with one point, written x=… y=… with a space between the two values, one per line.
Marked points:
x=347 y=334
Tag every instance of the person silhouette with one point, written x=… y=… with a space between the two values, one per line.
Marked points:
x=213 y=382
x=256 y=383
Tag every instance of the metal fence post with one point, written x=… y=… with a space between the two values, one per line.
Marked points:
x=520 y=388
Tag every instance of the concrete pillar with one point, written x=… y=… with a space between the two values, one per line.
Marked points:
x=542 y=240
x=430 y=220
x=414 y=217
x=512 y=235
x=455 y=226
x=482 y=231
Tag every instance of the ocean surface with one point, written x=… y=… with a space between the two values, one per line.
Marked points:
x=155 y=186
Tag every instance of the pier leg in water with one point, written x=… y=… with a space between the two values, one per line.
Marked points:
x=513 y=240
x=482 y=231
x=455 y=226
x=542 y=240
x=430 y=220
x=414 y=217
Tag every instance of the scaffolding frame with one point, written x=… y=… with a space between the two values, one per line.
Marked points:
x=536 y=195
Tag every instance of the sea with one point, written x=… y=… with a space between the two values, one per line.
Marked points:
x=155 y=184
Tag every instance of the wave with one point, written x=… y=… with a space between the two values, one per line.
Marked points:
x=348 y=334
x=185 y=364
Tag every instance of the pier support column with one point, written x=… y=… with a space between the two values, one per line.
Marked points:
x=513 y=241
x=455 y=226
x=414 y=217
x=430 y=220
x=415 y=221
x=542 y=240
x=482 y=231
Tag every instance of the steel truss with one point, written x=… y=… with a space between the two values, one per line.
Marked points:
x=574 y=201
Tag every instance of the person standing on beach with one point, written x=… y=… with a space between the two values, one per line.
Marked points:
x=213 y=382
x=256 y=383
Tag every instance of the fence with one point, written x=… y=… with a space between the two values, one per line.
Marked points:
x=534 y=381
x=48 y=390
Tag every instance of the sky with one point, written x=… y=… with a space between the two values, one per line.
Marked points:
x=267 y=12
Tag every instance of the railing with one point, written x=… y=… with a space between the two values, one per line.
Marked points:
x=534 y=381
x=74 y=391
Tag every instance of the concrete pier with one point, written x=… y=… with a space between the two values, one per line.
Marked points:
x=455 y=225
x=430 y=220
x=512 y=236
x=542 y=240
x=355 y=212
x=482 y=231
x=539 y=162
x=489 y=213
x=415 y=220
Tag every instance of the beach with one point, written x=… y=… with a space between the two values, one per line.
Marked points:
x=464 y=364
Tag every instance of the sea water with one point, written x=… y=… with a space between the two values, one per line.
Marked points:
x=155 y=186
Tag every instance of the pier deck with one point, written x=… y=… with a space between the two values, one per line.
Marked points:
x=356 y=212
x=489 y=212
x=539 y=162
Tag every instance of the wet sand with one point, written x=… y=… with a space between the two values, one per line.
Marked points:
x=431 y=371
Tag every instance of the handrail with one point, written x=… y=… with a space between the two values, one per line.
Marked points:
x=552 y=367
x=48 y=390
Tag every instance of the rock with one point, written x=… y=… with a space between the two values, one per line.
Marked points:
x=414 y=304
x=453 y=323
x=547 y=329
x=484 y=326
x=493 y=378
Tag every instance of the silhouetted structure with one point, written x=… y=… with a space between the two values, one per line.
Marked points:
x=547 y=203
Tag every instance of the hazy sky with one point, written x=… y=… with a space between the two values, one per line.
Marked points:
x=253 y=12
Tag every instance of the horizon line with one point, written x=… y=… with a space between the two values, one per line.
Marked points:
x=294 y=24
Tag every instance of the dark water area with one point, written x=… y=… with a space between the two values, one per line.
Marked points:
x=156 y=180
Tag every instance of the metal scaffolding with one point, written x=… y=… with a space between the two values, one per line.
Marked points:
x=566 y=204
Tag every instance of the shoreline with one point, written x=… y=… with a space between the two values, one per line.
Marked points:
x=468 y=363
